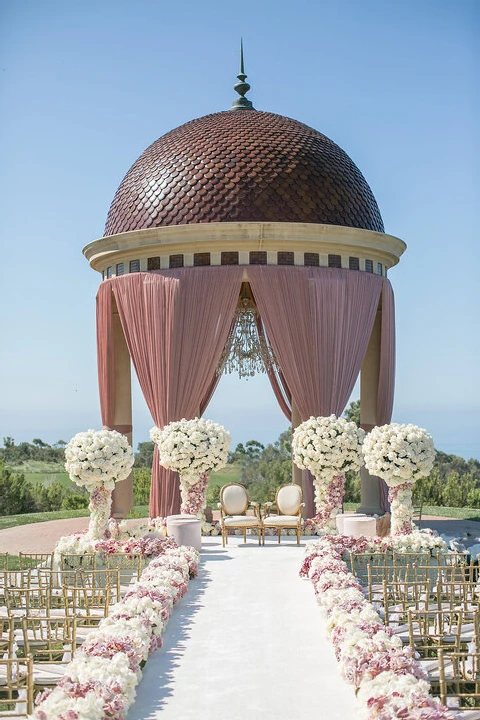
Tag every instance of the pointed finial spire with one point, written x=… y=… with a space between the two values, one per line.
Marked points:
x=242 y=87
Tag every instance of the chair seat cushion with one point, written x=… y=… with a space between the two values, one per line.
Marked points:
x=281 y=520
x=241 y=521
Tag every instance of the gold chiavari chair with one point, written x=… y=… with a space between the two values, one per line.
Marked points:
x=15 y=578
x=35 y=560
x=51 y=641
x=91 y=592
x=375 y=563
x=410 y=565
x=27 y=600
x=6 y=636
x=130 y=565
x=16 y=687
x=4 y=561
x=431 y=630
x=398 y=598
x=450 y=594
x=12 y=578
x=459 y=680
x=70 y=563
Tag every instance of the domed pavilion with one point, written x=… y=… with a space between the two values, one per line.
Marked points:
x=244 y=240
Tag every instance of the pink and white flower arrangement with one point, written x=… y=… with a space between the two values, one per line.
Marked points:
x=100 y=681
x=193 y=448
x=400 y=455
x=328 y=447
x=97 y=460
x=389 y=682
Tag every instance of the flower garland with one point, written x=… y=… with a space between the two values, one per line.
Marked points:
x=388 y=681
x=193 y=448
x=400 y=454
x=97 y=460
x=328 y=447
x=100 y=681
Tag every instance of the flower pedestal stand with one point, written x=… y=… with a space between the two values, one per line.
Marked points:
x=193 y=493
x=339 y=520
x=185 y=530
x=400 y=499
x=99 y=506
x=360 y=526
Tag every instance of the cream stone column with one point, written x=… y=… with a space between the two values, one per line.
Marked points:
x=298 y=475
x=370 y=485
x=122 y=496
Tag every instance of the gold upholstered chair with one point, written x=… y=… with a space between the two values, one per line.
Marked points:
x=286 y=512
x=234 y=504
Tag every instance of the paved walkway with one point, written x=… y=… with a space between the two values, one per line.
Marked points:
x=42 y=537
x=247 y=641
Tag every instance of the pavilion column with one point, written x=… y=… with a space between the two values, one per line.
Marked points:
x=301 y=477
x=122 y=496
x=370 y=485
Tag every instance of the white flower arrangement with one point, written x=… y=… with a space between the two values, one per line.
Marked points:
x=98 y=459
x=328 y=447
x=399 y=453
x=192 y=447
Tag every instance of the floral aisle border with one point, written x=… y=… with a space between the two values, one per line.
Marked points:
x=100 y=682
x=389 y=682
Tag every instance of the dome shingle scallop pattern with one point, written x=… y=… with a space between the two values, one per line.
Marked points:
x=241 y=166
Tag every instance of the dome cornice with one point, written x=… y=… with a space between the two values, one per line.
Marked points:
x=244 y=236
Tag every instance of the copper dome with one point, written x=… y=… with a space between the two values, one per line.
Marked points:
x=243 y=165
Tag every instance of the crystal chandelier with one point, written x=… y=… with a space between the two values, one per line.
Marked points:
x=246 y=351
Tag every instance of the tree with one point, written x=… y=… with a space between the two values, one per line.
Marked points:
x=144 y=455
x=39 y=443
x=142 y=479
x=264 y=469
x=352 y=412
x=16 y=494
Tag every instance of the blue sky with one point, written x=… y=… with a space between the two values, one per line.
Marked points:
x=86 y=86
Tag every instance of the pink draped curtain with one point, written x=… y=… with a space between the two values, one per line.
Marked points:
x=175 y=324
x=319 y=322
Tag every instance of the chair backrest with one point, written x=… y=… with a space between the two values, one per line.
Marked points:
x=49 y=639
x=129 y=564
x=33 y=560
x=288 y=499
x=461 y=680
x=6 y=636
x=234 y=499
x=25 y=600
x=16 y=676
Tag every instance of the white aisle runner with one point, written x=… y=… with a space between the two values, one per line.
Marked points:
x=247 y=642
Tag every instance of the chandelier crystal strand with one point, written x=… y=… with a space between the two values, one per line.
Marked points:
x=246 y=352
